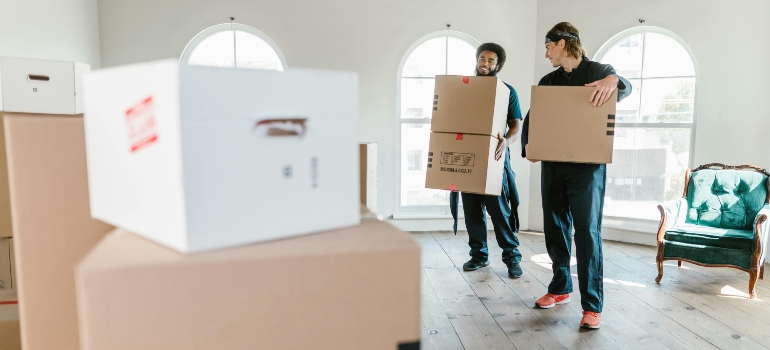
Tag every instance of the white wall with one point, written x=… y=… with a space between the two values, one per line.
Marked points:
x=731 y=52
x=66 y=30
x=366 y=36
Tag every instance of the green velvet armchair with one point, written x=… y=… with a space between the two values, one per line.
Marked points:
x=721 y=221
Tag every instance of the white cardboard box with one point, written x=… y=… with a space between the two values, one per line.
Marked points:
x=200 y=158
x=41 y=86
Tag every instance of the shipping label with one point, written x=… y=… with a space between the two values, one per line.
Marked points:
x=141 y=125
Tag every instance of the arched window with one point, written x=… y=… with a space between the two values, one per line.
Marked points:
x=233 y=45
x=444 y=52
x=655 y=126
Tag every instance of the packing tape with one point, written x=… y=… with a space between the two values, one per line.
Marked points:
x=452 y=187
x=459 y=137
x=466 y=79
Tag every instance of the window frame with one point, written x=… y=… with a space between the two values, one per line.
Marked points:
x=609 y=44
x=223 y=27
x=399 y=121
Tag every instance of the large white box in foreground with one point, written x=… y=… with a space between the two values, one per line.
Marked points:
x=201 y=158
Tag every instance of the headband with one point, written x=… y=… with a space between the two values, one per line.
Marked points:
x=555 y=37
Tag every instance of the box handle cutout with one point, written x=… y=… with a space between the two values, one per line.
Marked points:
x=37 y=77
x=281 y=127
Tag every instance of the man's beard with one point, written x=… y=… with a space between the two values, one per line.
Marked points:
x=492 y=73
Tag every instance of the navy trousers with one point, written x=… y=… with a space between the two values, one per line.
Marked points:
x=573 y=194
x=503 y=210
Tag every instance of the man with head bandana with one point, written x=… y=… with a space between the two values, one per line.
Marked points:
x=503 y=209
x=573 y=193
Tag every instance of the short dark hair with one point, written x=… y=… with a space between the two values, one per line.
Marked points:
x=497 y=49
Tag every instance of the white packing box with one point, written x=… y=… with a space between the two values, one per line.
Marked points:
x=201 y=158
x=41 y=86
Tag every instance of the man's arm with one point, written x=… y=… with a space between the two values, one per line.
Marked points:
x=604 y=87
x=510 y=138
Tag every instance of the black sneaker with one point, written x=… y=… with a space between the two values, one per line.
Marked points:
x=514 y=270
x=474 y=265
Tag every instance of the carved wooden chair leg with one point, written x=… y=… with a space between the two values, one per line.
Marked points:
x=659 y=262
x=679 y=262
x=753 y=276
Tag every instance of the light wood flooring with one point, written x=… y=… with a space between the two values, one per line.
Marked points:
x=692 y=308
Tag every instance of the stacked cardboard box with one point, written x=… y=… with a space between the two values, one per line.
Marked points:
x=468 y=114
x=10 y=338
x=52 y=228
x=206 y=161
x=565 y=127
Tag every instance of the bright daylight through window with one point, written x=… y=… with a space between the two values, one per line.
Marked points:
x=655 y=124
x=446 y=52
x=233 y=46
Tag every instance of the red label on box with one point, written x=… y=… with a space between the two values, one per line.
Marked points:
x=141 y=125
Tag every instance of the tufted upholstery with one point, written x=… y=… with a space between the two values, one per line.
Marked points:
x=728 y=199
x=719 y=222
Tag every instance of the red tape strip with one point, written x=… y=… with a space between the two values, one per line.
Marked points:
x=459 y=137
x=11 y=302
x=452 y=187
x=466 y=79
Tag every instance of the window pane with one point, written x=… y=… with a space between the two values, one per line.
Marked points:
x=668 y=100
x=665 y=57
x=417 y=98
x=253 y=52
x=627 y=111
x=647 y=168
x=414 y=140
x=216 y=50
x=461 y=57
x=626 y=57
x=427 y=60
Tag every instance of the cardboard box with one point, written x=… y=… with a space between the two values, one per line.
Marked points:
x=41 y=86
x=53 y=228
x=354 y=288
x=465 y=163
x=368 y=175
x=200 y=158
x=565 y=127
x=470 y=105
x=10 y=336
x=6 y=228
x=6 y=279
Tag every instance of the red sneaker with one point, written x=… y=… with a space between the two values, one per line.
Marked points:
x=591 y=319
x=550 y=300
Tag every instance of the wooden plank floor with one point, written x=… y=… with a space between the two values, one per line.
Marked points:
x=692 y=308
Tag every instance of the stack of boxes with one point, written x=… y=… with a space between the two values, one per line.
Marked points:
x=468 y=114
x=206 y=161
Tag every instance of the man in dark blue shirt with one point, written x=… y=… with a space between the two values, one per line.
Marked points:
x=503 y=209
x=573 y=193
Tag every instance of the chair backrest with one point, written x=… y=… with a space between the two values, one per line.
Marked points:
x=728 y=198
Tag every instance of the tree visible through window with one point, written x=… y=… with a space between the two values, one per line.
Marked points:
x=445 y=52
x=654 y=125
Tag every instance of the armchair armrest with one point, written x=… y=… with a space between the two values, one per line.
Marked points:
x=761 y=232
x=671 y=213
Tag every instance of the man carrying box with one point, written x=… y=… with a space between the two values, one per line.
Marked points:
x=503 y=209
x=573 y=193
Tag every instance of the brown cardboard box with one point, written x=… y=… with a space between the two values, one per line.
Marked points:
x=470 y=105
x=6 y=279
x=465 y=163
x=5 y=197
x=52 y=223
x=354 y=288
x=368 y=164
x=565 y=127
x=10 y=336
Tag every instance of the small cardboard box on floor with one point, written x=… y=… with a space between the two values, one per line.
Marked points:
x=202 y=158
x=565 y=127
x=353 y=288
x=52 y=225
x=468 y=114
x=368 y=167
x=10 y=335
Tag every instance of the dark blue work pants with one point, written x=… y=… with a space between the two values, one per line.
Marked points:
x=573 y=194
